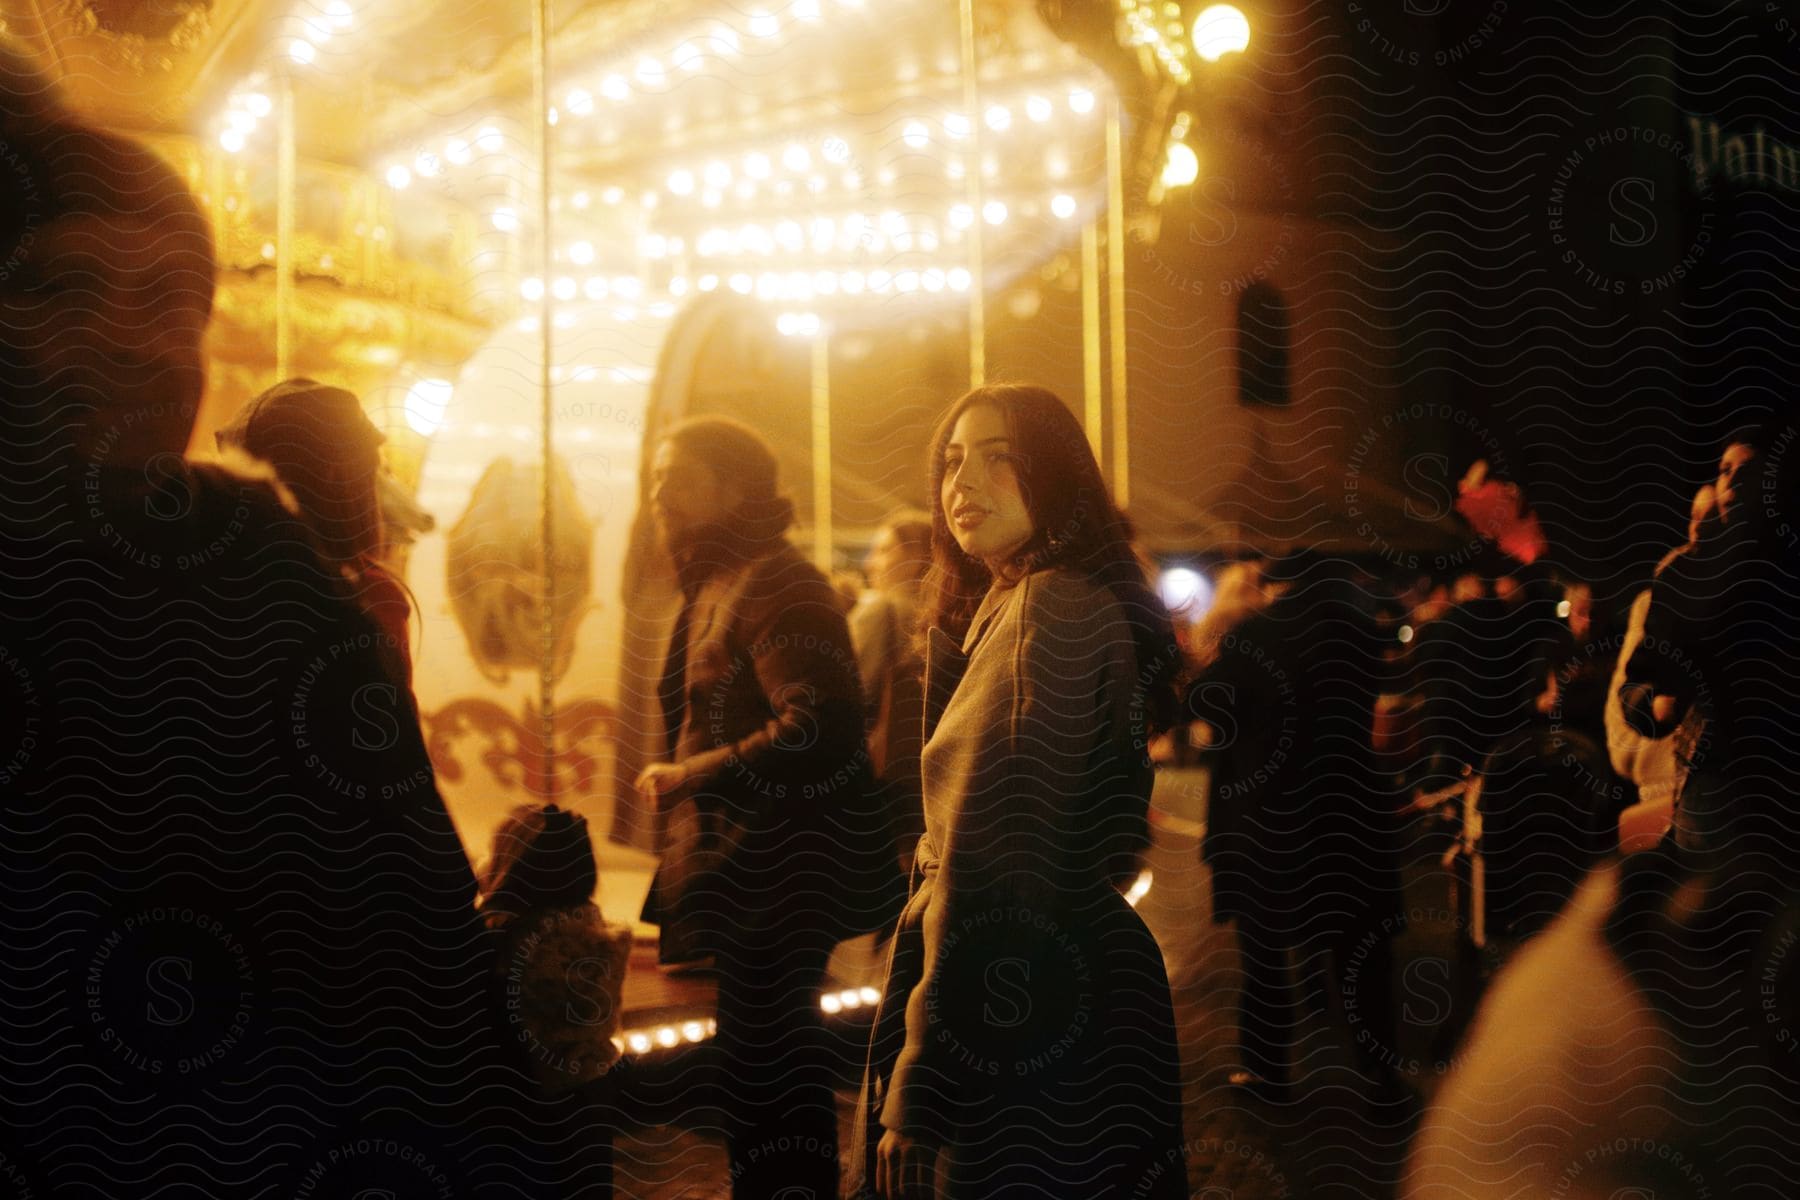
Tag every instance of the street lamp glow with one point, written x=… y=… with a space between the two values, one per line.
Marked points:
x=426 y=401
x=1184 y=589
x=1220 y=29
x=1182 y=166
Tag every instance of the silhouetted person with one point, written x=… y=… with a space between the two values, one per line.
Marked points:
x=770 y=852
x=241 y=950
x=327 y=453
x=1301 y=833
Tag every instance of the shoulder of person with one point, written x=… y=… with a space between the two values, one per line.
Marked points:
x=784 y=576
x=240 y=506
x=1061 y=598
x=232 y=476
x=247 y=488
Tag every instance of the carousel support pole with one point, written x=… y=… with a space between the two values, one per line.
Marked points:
x=1115 y=287
x=540 y=93
x=974 y=188
x=1091 y=385
x=821 y=451
x=285 y=187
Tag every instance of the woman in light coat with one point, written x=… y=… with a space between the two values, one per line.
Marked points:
x=1025 y=1043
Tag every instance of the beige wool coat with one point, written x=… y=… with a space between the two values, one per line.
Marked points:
x=1026 y=1025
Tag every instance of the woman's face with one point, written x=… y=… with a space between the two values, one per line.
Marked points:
x=980 y=494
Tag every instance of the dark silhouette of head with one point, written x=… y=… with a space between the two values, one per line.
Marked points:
x=327 y=453
x=106 y=283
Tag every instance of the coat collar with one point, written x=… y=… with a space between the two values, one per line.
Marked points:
x=990 y=606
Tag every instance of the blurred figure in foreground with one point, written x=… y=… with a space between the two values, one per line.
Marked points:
x=236 y=917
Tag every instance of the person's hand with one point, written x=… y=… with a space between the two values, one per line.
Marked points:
x=660 y=782
x=905 y=1168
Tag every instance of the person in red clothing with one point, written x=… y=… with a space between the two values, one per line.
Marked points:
x=327 y=454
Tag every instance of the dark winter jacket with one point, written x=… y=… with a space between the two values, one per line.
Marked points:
x=776 y=829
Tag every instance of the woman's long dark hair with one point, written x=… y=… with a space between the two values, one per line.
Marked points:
x=1075 y=525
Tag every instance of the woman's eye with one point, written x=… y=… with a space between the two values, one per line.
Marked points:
x=952 y=464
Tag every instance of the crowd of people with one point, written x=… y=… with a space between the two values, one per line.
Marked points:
x=248 y=954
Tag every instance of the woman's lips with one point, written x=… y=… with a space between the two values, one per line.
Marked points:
x=969 y=518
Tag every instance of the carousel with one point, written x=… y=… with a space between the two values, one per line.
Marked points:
x=529 y=236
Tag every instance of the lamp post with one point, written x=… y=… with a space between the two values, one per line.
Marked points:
x=971 y=90
x=821 y=449
x=286 y=183
x=540 y=96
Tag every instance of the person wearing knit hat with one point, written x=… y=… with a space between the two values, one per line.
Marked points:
x=773 y=848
